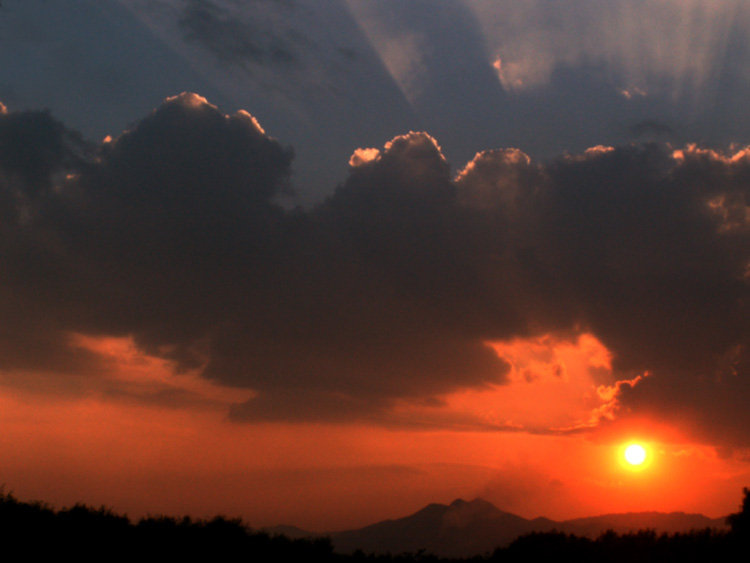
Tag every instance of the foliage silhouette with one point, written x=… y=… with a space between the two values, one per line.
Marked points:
x=90 y=534
x=739 y=522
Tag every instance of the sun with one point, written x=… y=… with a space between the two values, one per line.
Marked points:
x=635 y=454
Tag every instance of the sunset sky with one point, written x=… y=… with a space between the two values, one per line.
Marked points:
x=323 y=262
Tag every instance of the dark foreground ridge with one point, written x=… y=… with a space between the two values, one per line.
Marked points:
x=88 y=534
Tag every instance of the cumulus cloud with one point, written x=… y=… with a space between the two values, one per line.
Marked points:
x=132 y=239
x=391 y=290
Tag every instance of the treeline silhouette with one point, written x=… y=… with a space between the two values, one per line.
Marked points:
x=99 y=534
x=88 y=534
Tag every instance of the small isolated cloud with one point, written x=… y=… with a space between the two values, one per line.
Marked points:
x=511 y=75
x=633 y=92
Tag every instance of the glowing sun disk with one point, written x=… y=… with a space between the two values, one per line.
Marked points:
x=635 y=454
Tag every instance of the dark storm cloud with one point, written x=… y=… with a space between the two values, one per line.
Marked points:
x=370 y=305
x=33 y=145
x=174 y=220
x=133 y=241
x=34 y=148
x=171 y=235
x=650 y=253
x=389 y=289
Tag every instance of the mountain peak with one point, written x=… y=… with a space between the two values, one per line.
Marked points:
x=477 y=506
x=476 y=502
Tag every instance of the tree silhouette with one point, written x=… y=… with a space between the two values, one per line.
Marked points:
x=740 y=521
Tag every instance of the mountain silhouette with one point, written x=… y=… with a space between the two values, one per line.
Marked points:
x=468 y=528
x=461 y=528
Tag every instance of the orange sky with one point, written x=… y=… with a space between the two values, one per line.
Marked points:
x=100 y=446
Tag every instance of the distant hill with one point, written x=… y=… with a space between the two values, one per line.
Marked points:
x=632 y=521
x=467 y=528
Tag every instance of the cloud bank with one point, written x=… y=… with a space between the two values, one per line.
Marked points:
x=390 y=290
